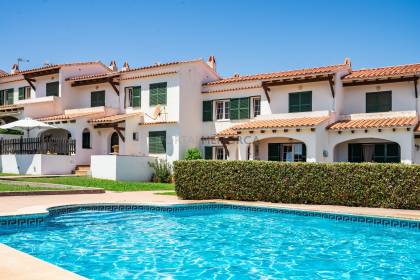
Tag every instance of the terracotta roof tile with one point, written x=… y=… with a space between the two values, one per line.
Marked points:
x=159 y=122
x=66 y=117
x=323 y=70
x=409 y=69
x=56 y=66
x=417 y=129
x=10 y=107
x=157 y=65
x=115 y=118
x=93 y=76
x=3 y=73
x=374 y=123
x=274 y=123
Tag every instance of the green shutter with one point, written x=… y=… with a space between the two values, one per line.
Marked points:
x=157 y=94
x=274 y=151
x=208 y=152
x=244 y=108
x=157 y=142
x=52 y=89
x=136 y=96
x=207 y=111
x=234 y=109
x=2 y=97
x=300 y=101
x=21 y=93
x=239 y=108
x=377 y=102
x=10 y=98
x=97 y=98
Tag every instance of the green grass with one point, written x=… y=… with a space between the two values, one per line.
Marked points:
x=23 y=188
x=166 y=193
x=118 y=186
x=9 y=174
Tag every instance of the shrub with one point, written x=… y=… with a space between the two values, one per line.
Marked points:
x=162 y=171
x=11 y=131
x=192 y=153
x=350 y=184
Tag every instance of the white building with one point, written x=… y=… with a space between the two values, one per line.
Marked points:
x=119 y=119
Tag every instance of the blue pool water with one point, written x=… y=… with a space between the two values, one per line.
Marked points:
x=219 y=244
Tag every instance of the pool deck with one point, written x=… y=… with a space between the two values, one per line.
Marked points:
x=16 y=265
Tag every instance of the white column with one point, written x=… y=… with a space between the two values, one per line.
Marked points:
x=243 y=149
x=251 y=151
x=407 y=149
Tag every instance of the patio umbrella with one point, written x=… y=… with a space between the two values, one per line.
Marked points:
x=26 y=124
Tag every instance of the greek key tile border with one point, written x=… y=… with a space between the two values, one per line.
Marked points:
x=184 y=209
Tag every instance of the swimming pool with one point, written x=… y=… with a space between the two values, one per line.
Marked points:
x=219 y=242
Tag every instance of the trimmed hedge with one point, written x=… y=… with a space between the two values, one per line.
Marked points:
x=349 y=184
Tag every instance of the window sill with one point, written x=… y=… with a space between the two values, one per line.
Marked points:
x=90 y=148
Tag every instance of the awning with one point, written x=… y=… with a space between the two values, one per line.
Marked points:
x=273 y=124
x=113 y=120
x=391 y=122
x=66 y=117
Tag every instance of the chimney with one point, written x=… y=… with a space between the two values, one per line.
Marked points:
x=347 y=61
x=126 y=67
x=15 y=69
x=236 y=75
x=113 y=66
x=212 y=62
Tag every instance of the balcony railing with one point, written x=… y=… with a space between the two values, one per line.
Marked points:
x=58 y=146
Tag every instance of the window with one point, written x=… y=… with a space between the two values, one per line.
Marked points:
x=239 y=108
x=378 y=101
x=256 y=106
x=208 y=152
x=24 y=93
x=290 y=152
x=132 y=97
x=158 y=94
x=86 y=139
x=220 y=153
x=135 y=136
x=378 y=152
x=52 y=89
x=300 y=101
x=222 y=110
x=207 y=111
x=157 y=142
x=6 y=97
x=97 y=98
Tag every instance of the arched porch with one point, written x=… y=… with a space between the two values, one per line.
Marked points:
x=367 y=150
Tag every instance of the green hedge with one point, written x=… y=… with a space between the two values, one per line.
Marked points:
x=350 y=184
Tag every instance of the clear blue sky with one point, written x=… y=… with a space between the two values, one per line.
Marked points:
x=245 y=36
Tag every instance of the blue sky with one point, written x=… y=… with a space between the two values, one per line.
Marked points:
x=245 y=36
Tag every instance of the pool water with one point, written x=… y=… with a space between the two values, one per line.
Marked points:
x=219 y=244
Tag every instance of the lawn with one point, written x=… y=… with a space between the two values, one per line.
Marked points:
x=9 y=174
x=23 y=188
x=118 y=186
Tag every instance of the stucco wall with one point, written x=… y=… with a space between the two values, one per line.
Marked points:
x=37 y=164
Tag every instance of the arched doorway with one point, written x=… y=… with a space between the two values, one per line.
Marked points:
x=367 y=150
x=115 y=141
x=280 y=149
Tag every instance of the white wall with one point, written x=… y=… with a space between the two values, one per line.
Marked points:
x=402 y=97
x=37 y=164
x=121 y=168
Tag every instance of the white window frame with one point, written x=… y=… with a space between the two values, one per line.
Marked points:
x=217 y=149
x=128 y=95
x=253 y=99
x=27 y=93
x=225 y=110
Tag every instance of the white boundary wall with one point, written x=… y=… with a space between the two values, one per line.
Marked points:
x=37 y=164
x=120 y=167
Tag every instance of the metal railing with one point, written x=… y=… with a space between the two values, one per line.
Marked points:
x=55 y=146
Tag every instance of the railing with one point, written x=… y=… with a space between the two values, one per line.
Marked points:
x=57 y=146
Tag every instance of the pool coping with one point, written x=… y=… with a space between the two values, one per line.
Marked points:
x=40 y=267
